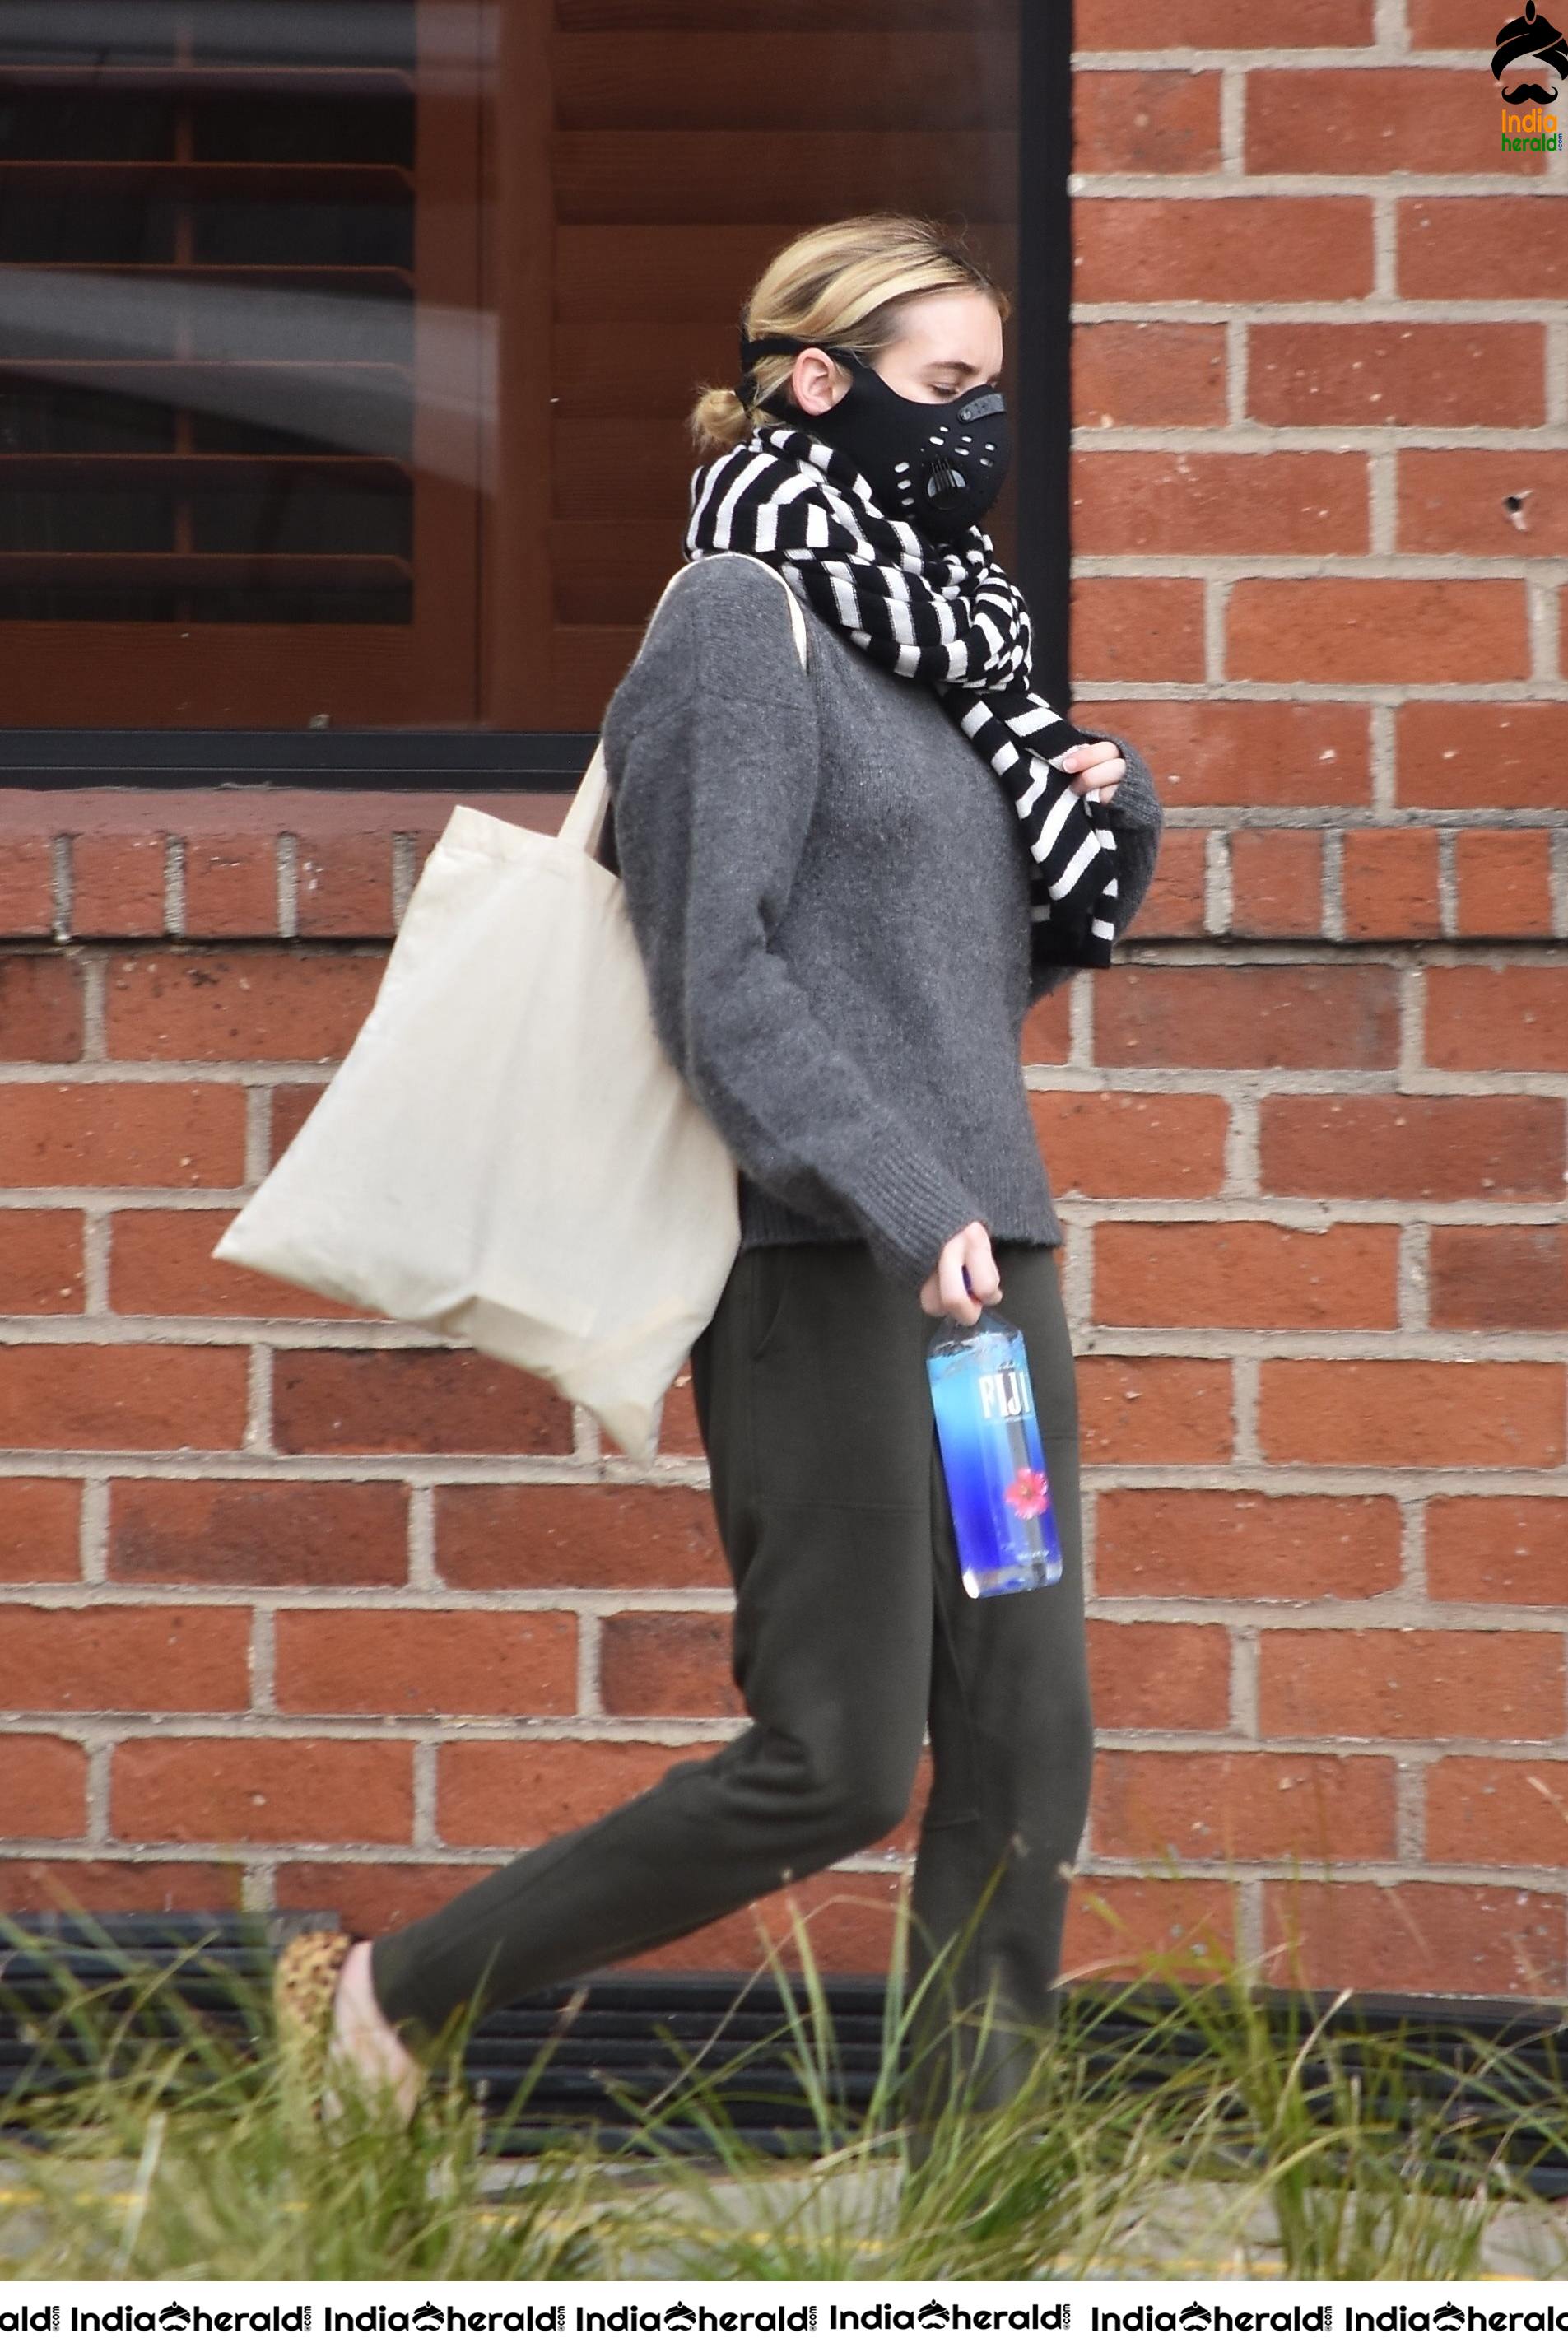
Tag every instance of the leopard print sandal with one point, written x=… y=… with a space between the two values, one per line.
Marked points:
x=303 y=1985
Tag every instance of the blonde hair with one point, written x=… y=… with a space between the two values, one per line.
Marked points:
x=846 y=282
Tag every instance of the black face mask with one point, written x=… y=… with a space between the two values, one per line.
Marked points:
x=937 y=464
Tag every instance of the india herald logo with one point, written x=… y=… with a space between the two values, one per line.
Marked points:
x=1529 y=51
x=1522 y=40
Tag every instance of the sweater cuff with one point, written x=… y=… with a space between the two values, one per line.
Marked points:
x=912 y=1209
x=1134 y=800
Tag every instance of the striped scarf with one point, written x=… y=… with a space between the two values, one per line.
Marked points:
x=948 y=615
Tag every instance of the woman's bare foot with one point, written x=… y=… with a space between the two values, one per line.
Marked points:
x=361 y=2034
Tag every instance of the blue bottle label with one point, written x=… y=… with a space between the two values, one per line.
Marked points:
x=992 y=1456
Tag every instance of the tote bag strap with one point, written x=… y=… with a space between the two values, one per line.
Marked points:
x=583 y=823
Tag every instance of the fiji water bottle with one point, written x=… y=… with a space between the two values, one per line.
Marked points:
x=992 y=1455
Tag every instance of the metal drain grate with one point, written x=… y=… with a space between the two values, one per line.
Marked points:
x=1471 y=2069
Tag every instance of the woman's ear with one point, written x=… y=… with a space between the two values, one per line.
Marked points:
x=817 y=382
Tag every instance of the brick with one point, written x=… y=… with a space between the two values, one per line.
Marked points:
x=1134 y=1927
x=344 y=886
x=79 y=1133
x=1134 y=372
x=1155 y=1409
x=1425 y=631
x=667 y=1664
x=1218 y=25
x=1163 y=1542
x=1237 y=1808
x=40 y=1262
x=518 y=1792
x=1145 y=121
x=1136 y=628
x=266 y=1532
x=1131 y=1146
x=1417 y=1938
x=1227 y=250
x=1412 y=1146
x=1409 y=1682
x=412 y=1400
x=28 y=889
x=126 y=1659
x=1445 y=25
x=231 y=887
x=161 y=1262
x=371 y=1897
x=1479 y=755
x=107 y=1398
x=599 y=1536
x=41 y=1521
x=1163 y=1677
x=1507 y=502
x=43 y=1786
x=1048 y=1028
x=263 y=1791
x=1390 y=884
x=1157 y=502
x=1498 y=1016
x=1276 y=884
x=1222 y=754
x=40 y=1008
x=1249 y=1276
x=1366 y=119
x=1237 y=1017
x=1499 y=1278
x=291 y=1107
x=117 y=886
x=464 y=1662
x=266 y=1005
x=1481 y=248
x=1507 y=1548
x=1489 y=1810
x=1503 y=882
x=47 y=1883
x=1376 y=371
x=1175 y=907
x=1442 y=1416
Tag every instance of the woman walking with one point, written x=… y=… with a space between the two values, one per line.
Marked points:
x=848 y=881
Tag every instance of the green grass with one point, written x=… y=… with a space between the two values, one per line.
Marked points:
x=1205 y=2136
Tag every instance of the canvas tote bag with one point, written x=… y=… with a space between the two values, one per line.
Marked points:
x=507 y=1155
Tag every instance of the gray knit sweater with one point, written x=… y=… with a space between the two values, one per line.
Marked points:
x=830 y=892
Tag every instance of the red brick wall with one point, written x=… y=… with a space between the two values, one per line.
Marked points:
x=299 y=1609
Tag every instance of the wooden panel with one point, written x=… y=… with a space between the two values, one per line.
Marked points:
x=612 y=571
x=587 y=664
x=634 y=467
x=718 y=17
x=193 y=535
x=131 y=674
x=744 y=176
x=650 y=369
x=693 y=138
x=666 y=273
x=728 y=81
x=520 y=268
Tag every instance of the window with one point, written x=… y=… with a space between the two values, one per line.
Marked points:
x=346 y=345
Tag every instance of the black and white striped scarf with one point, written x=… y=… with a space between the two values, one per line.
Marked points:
x=947 y=615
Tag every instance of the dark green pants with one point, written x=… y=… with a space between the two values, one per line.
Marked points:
x=852 y=1633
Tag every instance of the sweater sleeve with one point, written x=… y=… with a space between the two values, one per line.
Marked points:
x=1136 y=818
x=711 y=749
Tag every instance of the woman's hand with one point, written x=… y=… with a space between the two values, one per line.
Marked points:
x=943 y=1291
x=1094 y=769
